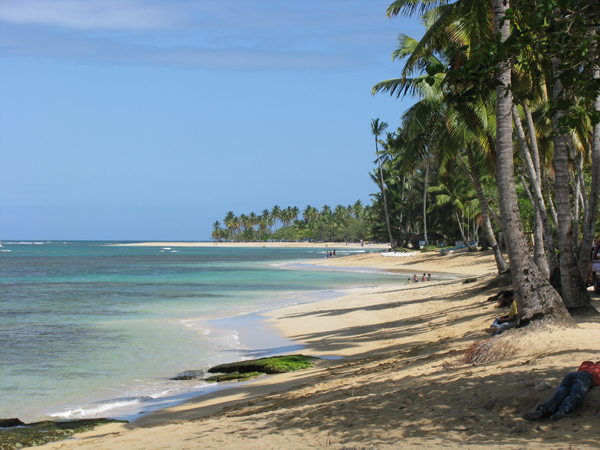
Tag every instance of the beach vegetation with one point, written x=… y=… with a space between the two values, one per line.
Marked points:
x=233 y=376
x=270 y=365
x=40 y=433
x=506 y=131
x=352 y=223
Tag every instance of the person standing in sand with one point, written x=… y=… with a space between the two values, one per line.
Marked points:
x=569 y=394
x=415 y=278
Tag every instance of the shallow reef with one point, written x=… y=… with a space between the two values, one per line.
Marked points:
x=39 y=433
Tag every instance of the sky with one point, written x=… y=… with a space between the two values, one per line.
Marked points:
x=151 y=119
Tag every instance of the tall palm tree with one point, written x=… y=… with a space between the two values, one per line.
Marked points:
x=229 y=223
x=216 y=233
x=276 y=214
x=437 y=126
x=534 y=294
x=377 y=128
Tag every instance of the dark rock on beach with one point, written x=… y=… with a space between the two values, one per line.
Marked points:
x=188 y=375
x=9 y=423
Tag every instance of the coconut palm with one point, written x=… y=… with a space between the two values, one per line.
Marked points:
x=377 y=128
x=276 y=214
x=457 y=194
x=440 y=34
x=534 y=294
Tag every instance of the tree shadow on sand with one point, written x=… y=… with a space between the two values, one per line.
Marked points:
x=464 y=405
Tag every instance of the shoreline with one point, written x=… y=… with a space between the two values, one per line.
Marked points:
x=393 y=386
x=324 y=245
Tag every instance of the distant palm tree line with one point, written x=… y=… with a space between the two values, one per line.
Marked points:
x=342 y=224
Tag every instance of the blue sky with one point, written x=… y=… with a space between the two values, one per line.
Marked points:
x=150 y=119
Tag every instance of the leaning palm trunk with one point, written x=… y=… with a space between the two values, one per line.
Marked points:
x=387 y=217
x=462 y=231
x=425 y=201
x=535 y=296
x=593 y=200
x=539 y=205
x=574 y=292
x=539 y=255
x=484 y=206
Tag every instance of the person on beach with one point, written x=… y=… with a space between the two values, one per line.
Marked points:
x=569 y=394
x=503 y=323
x=334 y=255
x=424 y=277
x=409 y=280
x=415 y=278
x=428 y=277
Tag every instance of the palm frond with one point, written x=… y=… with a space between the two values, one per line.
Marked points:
x=411 y=7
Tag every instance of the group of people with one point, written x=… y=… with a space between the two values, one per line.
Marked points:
x=330 y=254
x=415 y=278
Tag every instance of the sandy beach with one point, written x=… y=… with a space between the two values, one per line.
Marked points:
x=392 y=376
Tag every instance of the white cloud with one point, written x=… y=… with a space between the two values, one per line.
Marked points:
x=221 y=34
x=89 y=14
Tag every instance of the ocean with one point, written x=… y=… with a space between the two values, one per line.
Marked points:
x=89 y=329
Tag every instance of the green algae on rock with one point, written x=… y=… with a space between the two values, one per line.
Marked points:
x=40 y=433
x=234 y=376
x=275 y=364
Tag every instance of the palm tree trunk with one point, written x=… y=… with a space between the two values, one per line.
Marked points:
x=402 y=199
x=539 y=203
x=535 y=296
x=425 y=200
x=546 y=188
x=590 y=218
x=387 y=216
x=462 y=230
x=484 y=206
x=574 y=292
x=539 y=255
x=535 y=151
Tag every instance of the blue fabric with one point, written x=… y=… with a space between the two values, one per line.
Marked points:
x=569 y=394
x=502 y=327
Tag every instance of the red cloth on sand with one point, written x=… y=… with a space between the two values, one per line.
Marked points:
x=592 y=369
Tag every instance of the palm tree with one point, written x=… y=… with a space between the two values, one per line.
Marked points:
x=503 y=138
x=306 y=214
x=357 y=209
x=534 y=294
x=377 y=128
x=217 y=231
x=229 y=223
x=295 y=211
x=457 y=195
x=276 y=214
x=437 y=126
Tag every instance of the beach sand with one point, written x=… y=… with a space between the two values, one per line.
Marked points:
x=399 y=384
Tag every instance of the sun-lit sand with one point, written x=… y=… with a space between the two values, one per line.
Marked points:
x=399 y=382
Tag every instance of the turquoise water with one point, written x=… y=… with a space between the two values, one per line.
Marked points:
x=89 y=329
